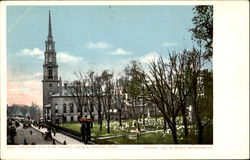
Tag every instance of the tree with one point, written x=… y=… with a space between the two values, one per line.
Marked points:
x=134 y=87
x=180 y=68
x=79 y=92
x=162 y=87
x=119 y=97
x=90 y=90
x=108 y=94
x=201 y=82
x=98 y=83
x=202 y=33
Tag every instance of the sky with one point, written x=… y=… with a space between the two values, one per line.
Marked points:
x=88 y=37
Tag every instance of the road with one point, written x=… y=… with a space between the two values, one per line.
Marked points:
x=36 y=136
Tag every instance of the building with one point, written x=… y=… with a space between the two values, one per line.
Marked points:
x=58 y=104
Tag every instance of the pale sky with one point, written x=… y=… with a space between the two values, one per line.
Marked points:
x=88 y=37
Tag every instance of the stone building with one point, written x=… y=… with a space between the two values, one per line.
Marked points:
x=58 y=104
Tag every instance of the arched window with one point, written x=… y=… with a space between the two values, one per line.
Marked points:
x=71 y=108
x=64 y=108
x=50 y=74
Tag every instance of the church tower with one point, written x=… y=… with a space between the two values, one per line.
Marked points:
x=50 y=73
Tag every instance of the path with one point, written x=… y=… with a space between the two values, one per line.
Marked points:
x=35 y=136
x=60 y=137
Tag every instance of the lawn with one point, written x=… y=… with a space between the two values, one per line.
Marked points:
x=149 y=138
x=115 y=129
x=130 y=135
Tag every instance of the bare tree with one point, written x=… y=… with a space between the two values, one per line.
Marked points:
x=79 y=92
x=98 y=83
x=162 y=87
x=108 y=94
x=91 y=96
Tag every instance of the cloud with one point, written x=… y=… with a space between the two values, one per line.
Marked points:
x=149 y=57
x=97 y=45
x=31 y=76
x=67 y=58
x=61 y=56
x=120 y=51
x=168 y=44
x=35 y=52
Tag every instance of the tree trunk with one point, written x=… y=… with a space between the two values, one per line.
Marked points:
x=184 y=117
x=165 y=125
x=100 y=129
x=200 y=131
x=155 y=114
x=174 y=132
x=108 y=123
x=143 y=116
x=120 y=118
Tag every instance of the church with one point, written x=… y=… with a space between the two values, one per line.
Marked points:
x=58 y=103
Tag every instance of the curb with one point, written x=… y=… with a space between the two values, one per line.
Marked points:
x=43 y=132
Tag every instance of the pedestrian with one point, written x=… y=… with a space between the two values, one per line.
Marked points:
x=53 y=141
x=54 y=132
x=30 y=132
x=64 y=142
x=25 y=142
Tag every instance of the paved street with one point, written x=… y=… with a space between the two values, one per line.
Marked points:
x=60 y=137
x=35 y=137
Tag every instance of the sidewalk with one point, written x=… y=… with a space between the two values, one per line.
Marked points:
x=60 y=137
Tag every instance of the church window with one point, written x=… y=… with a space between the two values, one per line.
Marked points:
x=85 y=109
x=56 y=108
x=50 y=74
x=71 y=108
x=64 y=108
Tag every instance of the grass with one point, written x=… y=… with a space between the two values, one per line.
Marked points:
x=115 y=129
x=130 y=135
x=150 y=138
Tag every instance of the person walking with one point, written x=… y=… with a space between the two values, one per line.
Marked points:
x=53 y=141
x=25 y=142
x=54 y=132
x=64 y=142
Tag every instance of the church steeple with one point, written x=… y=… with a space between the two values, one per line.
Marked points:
x=50 y=65
x=50 y=44
x=50 y=28
x=50 y=72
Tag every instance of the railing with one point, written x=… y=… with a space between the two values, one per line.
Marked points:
x=73 y=134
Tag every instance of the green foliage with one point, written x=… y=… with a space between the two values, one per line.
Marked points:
x=202 y=32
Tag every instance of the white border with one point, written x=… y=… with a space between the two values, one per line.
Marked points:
x=231 y=95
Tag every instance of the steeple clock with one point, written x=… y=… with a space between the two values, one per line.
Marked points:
x=50 y=71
